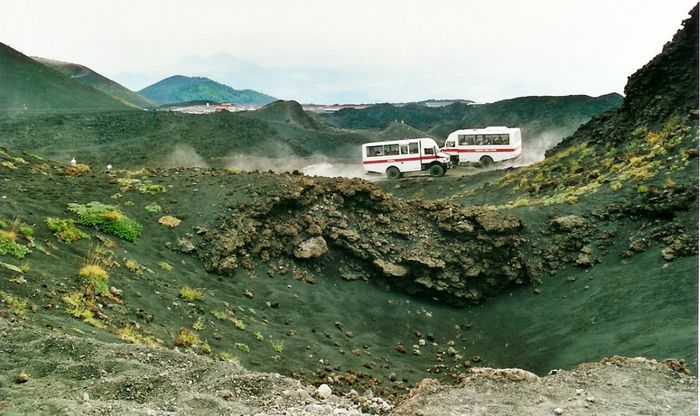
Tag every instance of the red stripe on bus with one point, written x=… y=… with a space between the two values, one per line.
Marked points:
x=480 y=150
x=408 y=159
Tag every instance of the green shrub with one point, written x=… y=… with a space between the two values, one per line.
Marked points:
x=238 y=323
x=107 y=219
x=96 y=278
x=134 y=267
x=189 y=294
x=165 y=266
x=186 y=338
x=243 y=347
x=65 y=230
x=153 y=207
x=152 y=189
x=199 y=325
x=277 y=347
x=26 y=230
x=16 y=305
x=9 y=246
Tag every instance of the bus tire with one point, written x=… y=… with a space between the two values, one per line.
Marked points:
x=485 y=161
x=436 y=170
x=392 y=172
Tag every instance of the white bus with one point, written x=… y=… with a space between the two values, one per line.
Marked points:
x=484 y=146
x=395 y=157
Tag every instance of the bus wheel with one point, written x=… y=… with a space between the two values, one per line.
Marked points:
x=436 y=170
x=486 y=161
x=393 y=173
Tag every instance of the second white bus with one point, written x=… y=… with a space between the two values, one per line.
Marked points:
x=484 y=146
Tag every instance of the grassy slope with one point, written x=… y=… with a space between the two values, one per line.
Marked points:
x=178 y=89
x=30 y=87
x=148 y=139
x=91 y=78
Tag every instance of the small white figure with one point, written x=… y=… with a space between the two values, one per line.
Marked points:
x=73 y=162
x=109 y=167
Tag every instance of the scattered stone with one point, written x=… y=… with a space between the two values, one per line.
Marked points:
x=400 y=348
x=169 y=221
x=584 y=261
x=22 y=377
x=249 y=293
x=185 y=245
x=324 y=391
x=558 y=411
x=313 y=247
x=569 y=222
x=390 y=269
x=225 y=394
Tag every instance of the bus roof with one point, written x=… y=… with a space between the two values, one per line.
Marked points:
x=490 y=129
x=397 y=141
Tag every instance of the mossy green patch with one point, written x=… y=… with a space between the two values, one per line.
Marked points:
x=107 y=219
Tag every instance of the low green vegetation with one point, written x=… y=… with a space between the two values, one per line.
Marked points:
x=17 y=306
x=135 y=335
x=107 y=219
x=153 y=207
x=80 y=306
x=187 y=338
x=134 y=267
x=132 y=183
x=65 y=229
x=165 y=266
x=95 y=278
x=277 y=347
x=9 y=245
x=243 y=347
x=199 y=325
x=189 y=294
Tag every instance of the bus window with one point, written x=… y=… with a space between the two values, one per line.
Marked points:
x=413 y=148
x=404 y=149
x=449 y=143
x=462 y=139
x=505 y=138
x=428 y=150
x=479 y=140
x=375 y=151
x=391 y=149
x=470 y=140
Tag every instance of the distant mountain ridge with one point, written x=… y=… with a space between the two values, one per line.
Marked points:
x=29 y=87
x=536 y=114
x=179 y=88
x=88 y=77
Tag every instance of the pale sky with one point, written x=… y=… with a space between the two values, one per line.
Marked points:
x=327 y=51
